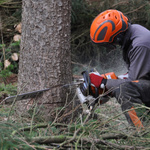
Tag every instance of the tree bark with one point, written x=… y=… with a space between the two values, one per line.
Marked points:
x=45 y=56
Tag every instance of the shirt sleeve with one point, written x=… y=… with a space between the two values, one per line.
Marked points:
x=139 y=67
x=139 y=63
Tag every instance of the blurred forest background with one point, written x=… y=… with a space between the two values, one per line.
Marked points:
x=31 y=132
x=84 y=53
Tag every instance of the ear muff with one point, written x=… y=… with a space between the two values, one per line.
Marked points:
x=119 y=38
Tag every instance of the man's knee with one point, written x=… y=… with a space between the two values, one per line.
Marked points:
x=127 y=94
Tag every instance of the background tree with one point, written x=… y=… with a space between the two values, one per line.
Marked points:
x=45 y=49
x=89 y=54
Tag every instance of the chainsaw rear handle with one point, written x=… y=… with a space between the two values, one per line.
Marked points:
x=86 y=77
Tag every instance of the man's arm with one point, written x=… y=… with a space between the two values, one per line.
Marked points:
x=139 y=63
x=139 y=67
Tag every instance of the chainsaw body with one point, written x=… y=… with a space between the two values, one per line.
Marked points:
x=90 y=95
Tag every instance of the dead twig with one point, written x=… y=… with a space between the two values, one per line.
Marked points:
x=120 y=3
x=135 y=9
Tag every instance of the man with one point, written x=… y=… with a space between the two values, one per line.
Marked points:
x=108 y=29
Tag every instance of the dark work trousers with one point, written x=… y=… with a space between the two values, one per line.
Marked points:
x=129 y=93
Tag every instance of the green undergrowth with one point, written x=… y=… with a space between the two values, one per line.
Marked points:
x=106 y=130
x=8 y=89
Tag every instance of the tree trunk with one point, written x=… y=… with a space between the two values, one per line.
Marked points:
x=45 y=57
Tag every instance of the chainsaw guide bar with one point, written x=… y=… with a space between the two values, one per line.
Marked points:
x=34 y=94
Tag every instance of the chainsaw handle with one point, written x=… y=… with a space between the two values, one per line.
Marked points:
x=86 y=78
x=88 y=84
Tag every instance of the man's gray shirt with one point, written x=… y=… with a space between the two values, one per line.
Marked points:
x=138 y=55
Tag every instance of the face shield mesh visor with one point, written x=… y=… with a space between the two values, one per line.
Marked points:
x=108 y=46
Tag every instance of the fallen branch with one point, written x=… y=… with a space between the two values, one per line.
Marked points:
x=63 y=140
x=49 y=139
x=113 y=136
x=42 y=125
x=113 y=145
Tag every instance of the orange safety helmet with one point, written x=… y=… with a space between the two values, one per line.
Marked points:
x=108 y=25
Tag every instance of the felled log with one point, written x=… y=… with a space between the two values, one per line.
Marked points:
x=6 y=63
x=17 y=37
x=18 y=27
x=14 y=57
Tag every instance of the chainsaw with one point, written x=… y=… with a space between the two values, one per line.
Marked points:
x=89 y=94
x=86 y=93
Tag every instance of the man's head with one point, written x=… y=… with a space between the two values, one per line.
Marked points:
x=108 y=27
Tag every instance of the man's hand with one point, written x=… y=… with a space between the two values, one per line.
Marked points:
x=97 y=80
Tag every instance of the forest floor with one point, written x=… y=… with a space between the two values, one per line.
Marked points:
x=110 y=128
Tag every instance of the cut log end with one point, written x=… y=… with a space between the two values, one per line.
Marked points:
x=15 y=57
